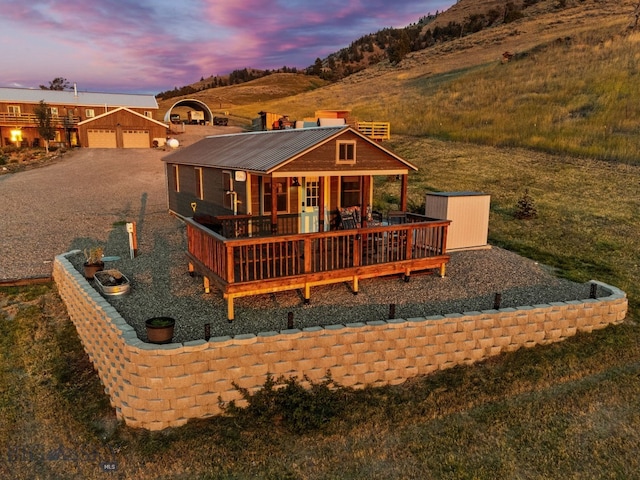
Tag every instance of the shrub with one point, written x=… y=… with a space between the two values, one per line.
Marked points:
x=526 y=208
x=287 y=402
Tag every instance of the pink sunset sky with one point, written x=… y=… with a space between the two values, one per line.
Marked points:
x=149 y=46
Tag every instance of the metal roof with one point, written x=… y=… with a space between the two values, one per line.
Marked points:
x=260 y=152
x=76 y=97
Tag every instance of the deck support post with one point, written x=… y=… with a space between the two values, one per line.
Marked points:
x=307 y=294
x=443 y=269
x=355 y=285
x=192 y=269
x=230 y=313
x=207 y=284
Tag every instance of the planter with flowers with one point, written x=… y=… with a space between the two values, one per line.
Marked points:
x=93 y=262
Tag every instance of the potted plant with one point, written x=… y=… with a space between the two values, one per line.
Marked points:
x=93 y=261
x=160 y=329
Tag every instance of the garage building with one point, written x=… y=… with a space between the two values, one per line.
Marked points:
x=121 y=128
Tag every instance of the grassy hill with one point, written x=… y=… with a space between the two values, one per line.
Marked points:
x=242 y=102
x=569 y=86
x=561 y=121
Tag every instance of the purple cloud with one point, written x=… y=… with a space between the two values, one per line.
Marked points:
x=154 y=45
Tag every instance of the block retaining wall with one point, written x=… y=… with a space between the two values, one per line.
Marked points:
x=159 y=386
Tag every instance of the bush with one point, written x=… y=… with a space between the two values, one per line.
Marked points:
x=286 y=402
x=526 y=208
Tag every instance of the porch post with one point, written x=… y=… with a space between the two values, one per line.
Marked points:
x=403 y=193
x=321 y=206
x=366 y=186
x=274 y=207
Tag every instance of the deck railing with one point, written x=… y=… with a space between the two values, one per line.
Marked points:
x=24 y=119
x=375 y=130
x=238 y=260
x=257 y=265
x=241 y=226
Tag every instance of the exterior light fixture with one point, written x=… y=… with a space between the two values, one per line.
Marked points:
x=16 y=135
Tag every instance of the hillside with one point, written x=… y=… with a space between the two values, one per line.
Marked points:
x=571 y=80
x=235 y=98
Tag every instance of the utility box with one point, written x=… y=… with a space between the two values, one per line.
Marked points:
x=469 y=215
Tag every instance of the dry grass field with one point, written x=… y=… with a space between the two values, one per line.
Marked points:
x=568 y=410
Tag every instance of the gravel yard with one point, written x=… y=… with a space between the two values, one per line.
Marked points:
x=84 y=199
x=161 y=286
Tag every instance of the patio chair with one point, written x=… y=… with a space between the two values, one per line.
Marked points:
x=349 y=217
x=374 y=219
x=396 y=217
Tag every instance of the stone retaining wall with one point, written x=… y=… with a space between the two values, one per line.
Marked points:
x=159 y=386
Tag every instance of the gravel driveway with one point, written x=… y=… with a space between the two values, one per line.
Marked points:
x=85 y=199
x=75 y=202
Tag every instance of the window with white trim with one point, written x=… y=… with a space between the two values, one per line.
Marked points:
x=13 y=109
x=346 y=152
x=90 y=113
x=148 y=114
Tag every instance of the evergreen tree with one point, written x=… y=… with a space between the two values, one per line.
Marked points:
x=526 y=208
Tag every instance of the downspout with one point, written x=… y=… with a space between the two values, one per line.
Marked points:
x=234 y=200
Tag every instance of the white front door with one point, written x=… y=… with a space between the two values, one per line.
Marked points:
x=309 y=218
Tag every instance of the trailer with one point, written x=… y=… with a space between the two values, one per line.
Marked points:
x=196 y=117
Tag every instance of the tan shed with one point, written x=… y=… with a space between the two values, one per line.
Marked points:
x=469 y=215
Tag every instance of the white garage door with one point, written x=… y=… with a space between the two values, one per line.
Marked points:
x=102 y=138
x=135 y=139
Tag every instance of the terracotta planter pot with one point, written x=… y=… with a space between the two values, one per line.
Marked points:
x=90 y=269
x=160 y=329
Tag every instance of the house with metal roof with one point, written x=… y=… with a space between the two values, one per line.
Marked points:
x=303 y=173
x=86 y=119
x=287 y=209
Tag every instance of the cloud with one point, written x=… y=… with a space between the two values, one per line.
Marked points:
x=160 y=44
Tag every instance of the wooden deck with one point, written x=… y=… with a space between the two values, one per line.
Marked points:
x=257 y=265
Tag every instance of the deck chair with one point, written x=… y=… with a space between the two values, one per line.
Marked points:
x=349 y=218
x=374 y=219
